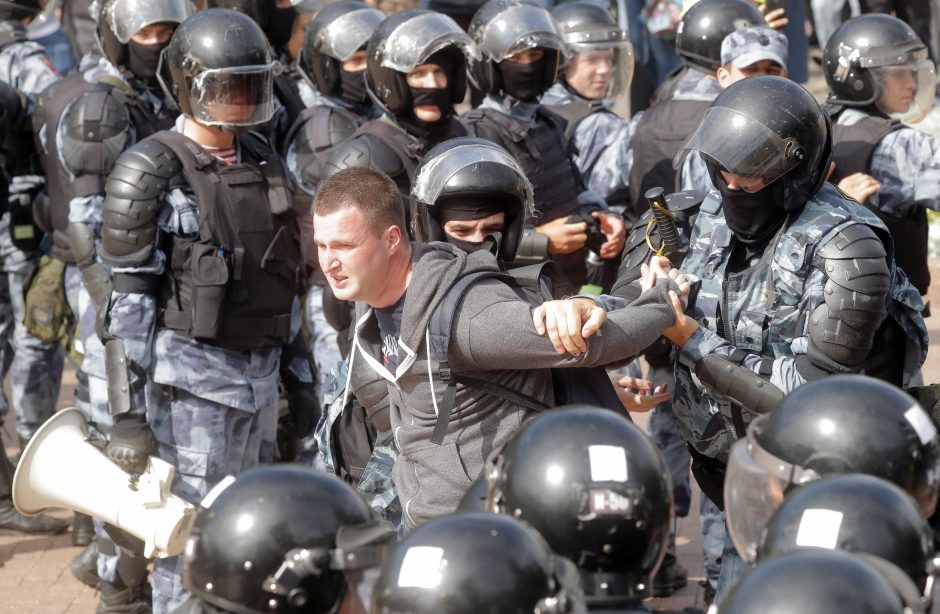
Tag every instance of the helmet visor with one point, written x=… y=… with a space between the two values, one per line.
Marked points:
x=518 y=28
x=742 y=145
x=437 y=171
x=238 y=96
x=906 y=91
x=348 y=33
x=602 y=71
x=414 y=41
x=127 y=17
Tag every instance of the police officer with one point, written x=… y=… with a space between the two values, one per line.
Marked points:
x=415 y=73
x=591 y=87
x=199 y=231
x=879 y=74
x=468 y=563
x=311 y=543
x=598 y=490
x=36 y=366
x=776 y=224
x=521 y=49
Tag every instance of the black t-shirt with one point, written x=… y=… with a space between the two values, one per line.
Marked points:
x=389 y=320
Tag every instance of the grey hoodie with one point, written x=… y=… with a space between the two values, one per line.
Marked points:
x=493 y=339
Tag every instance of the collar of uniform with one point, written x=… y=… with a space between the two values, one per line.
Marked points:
x=523 y=111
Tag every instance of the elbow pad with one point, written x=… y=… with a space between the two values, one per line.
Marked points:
x=735 y=382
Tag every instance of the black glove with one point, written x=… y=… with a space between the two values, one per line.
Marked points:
x=304 y=407
x=131 y=443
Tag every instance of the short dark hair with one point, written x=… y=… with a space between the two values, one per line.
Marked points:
x=371 y=191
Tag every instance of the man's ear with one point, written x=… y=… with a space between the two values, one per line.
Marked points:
x=724 y=77
x=393 y=237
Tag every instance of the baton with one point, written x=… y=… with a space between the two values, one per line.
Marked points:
x=665 y=222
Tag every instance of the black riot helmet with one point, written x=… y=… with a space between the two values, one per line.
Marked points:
x=11 y=10
x=470 y=178
x=813 y=581
x=588 y=28
x=767 y=127
x=282 y=538
x=277 y=23
x=502 y=28
x=706 y=24
x=337 y=32
x=838 y=424
x=857 y=513
x=119 y=20
x=472 y=563
x=221 y=70
x=596 y=488
x=878 y=60
x=406 y=40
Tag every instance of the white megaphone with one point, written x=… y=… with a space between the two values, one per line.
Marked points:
x=61 y=468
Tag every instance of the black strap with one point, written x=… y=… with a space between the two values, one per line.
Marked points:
x=135 y=283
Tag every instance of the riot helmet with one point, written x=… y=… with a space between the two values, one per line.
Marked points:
x=856 y=513
x=282 y=538
x=15 y=10
x=221 y=70
x=468 y=179
x=706 y=24
x=407 y=40
x=601 y=56
x=474 y=500
x=877 y=60
x=838 y=424
x=504 y=28
x=768 y=128
x=475 y=562
x=596 y=488
x=338 y=32
x=119 y=20
x=812 y=581
x=276 y=21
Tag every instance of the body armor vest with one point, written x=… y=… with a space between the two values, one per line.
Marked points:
x=852 y=149
x=288 y=94
x=660 y=134
x=328 y=127
x=61 y=187
x=758 y=309
x=574 y=113
x=234 y=284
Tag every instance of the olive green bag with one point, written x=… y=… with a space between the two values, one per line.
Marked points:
x=46 y=311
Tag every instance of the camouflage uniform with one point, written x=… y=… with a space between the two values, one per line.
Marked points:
x=213 y=411
x=36 y=368
x=601 y=144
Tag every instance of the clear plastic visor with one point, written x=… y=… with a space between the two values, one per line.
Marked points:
x=414 y=41
x=743 y=146
x=127 y=17
x=348 y=33
x=238 y=96
x=436 y=172
x=906 y=91
x=519 y=28
x=602 y=71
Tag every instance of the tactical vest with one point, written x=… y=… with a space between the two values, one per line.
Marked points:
x=574 y=112
x=758 y=309
x=852 y=149
x=61 y=187
x=659 y=136
x=328 y=127
x=288 y=94
x=234 y=284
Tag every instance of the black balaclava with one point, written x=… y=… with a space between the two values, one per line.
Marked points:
x=752 y=217
x=468 y=207
x=280 y=25
x=439 y=97
x=352 y=87
x=525 y=82
x=142 y=62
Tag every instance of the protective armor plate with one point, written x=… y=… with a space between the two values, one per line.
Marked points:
x=854 y=241
x=97 y=133
x=325 y=129
x=365 y=150
x=739 y=384
x=140 y=177
x=371 y=391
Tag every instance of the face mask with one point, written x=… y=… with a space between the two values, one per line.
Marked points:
x=752 y=217
x=142 y=62
x=352 y=87
x=427 y=96
x=490 y=243
x=525 y=82
x=280 y=26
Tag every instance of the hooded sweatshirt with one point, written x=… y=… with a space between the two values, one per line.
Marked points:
x=494 y=339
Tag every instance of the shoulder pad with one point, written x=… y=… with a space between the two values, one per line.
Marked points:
x=96 y=134
x=132 y=200
x=852 y=241
x=365 y=150
x=680 y=201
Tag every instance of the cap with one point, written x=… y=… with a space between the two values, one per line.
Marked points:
x=750 y=45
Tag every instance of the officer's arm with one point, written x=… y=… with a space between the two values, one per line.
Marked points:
x=13 y=106
x=34 y=73
x=321 y=133
x=296 y=368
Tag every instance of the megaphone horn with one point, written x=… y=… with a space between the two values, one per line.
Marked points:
x=60 y=468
